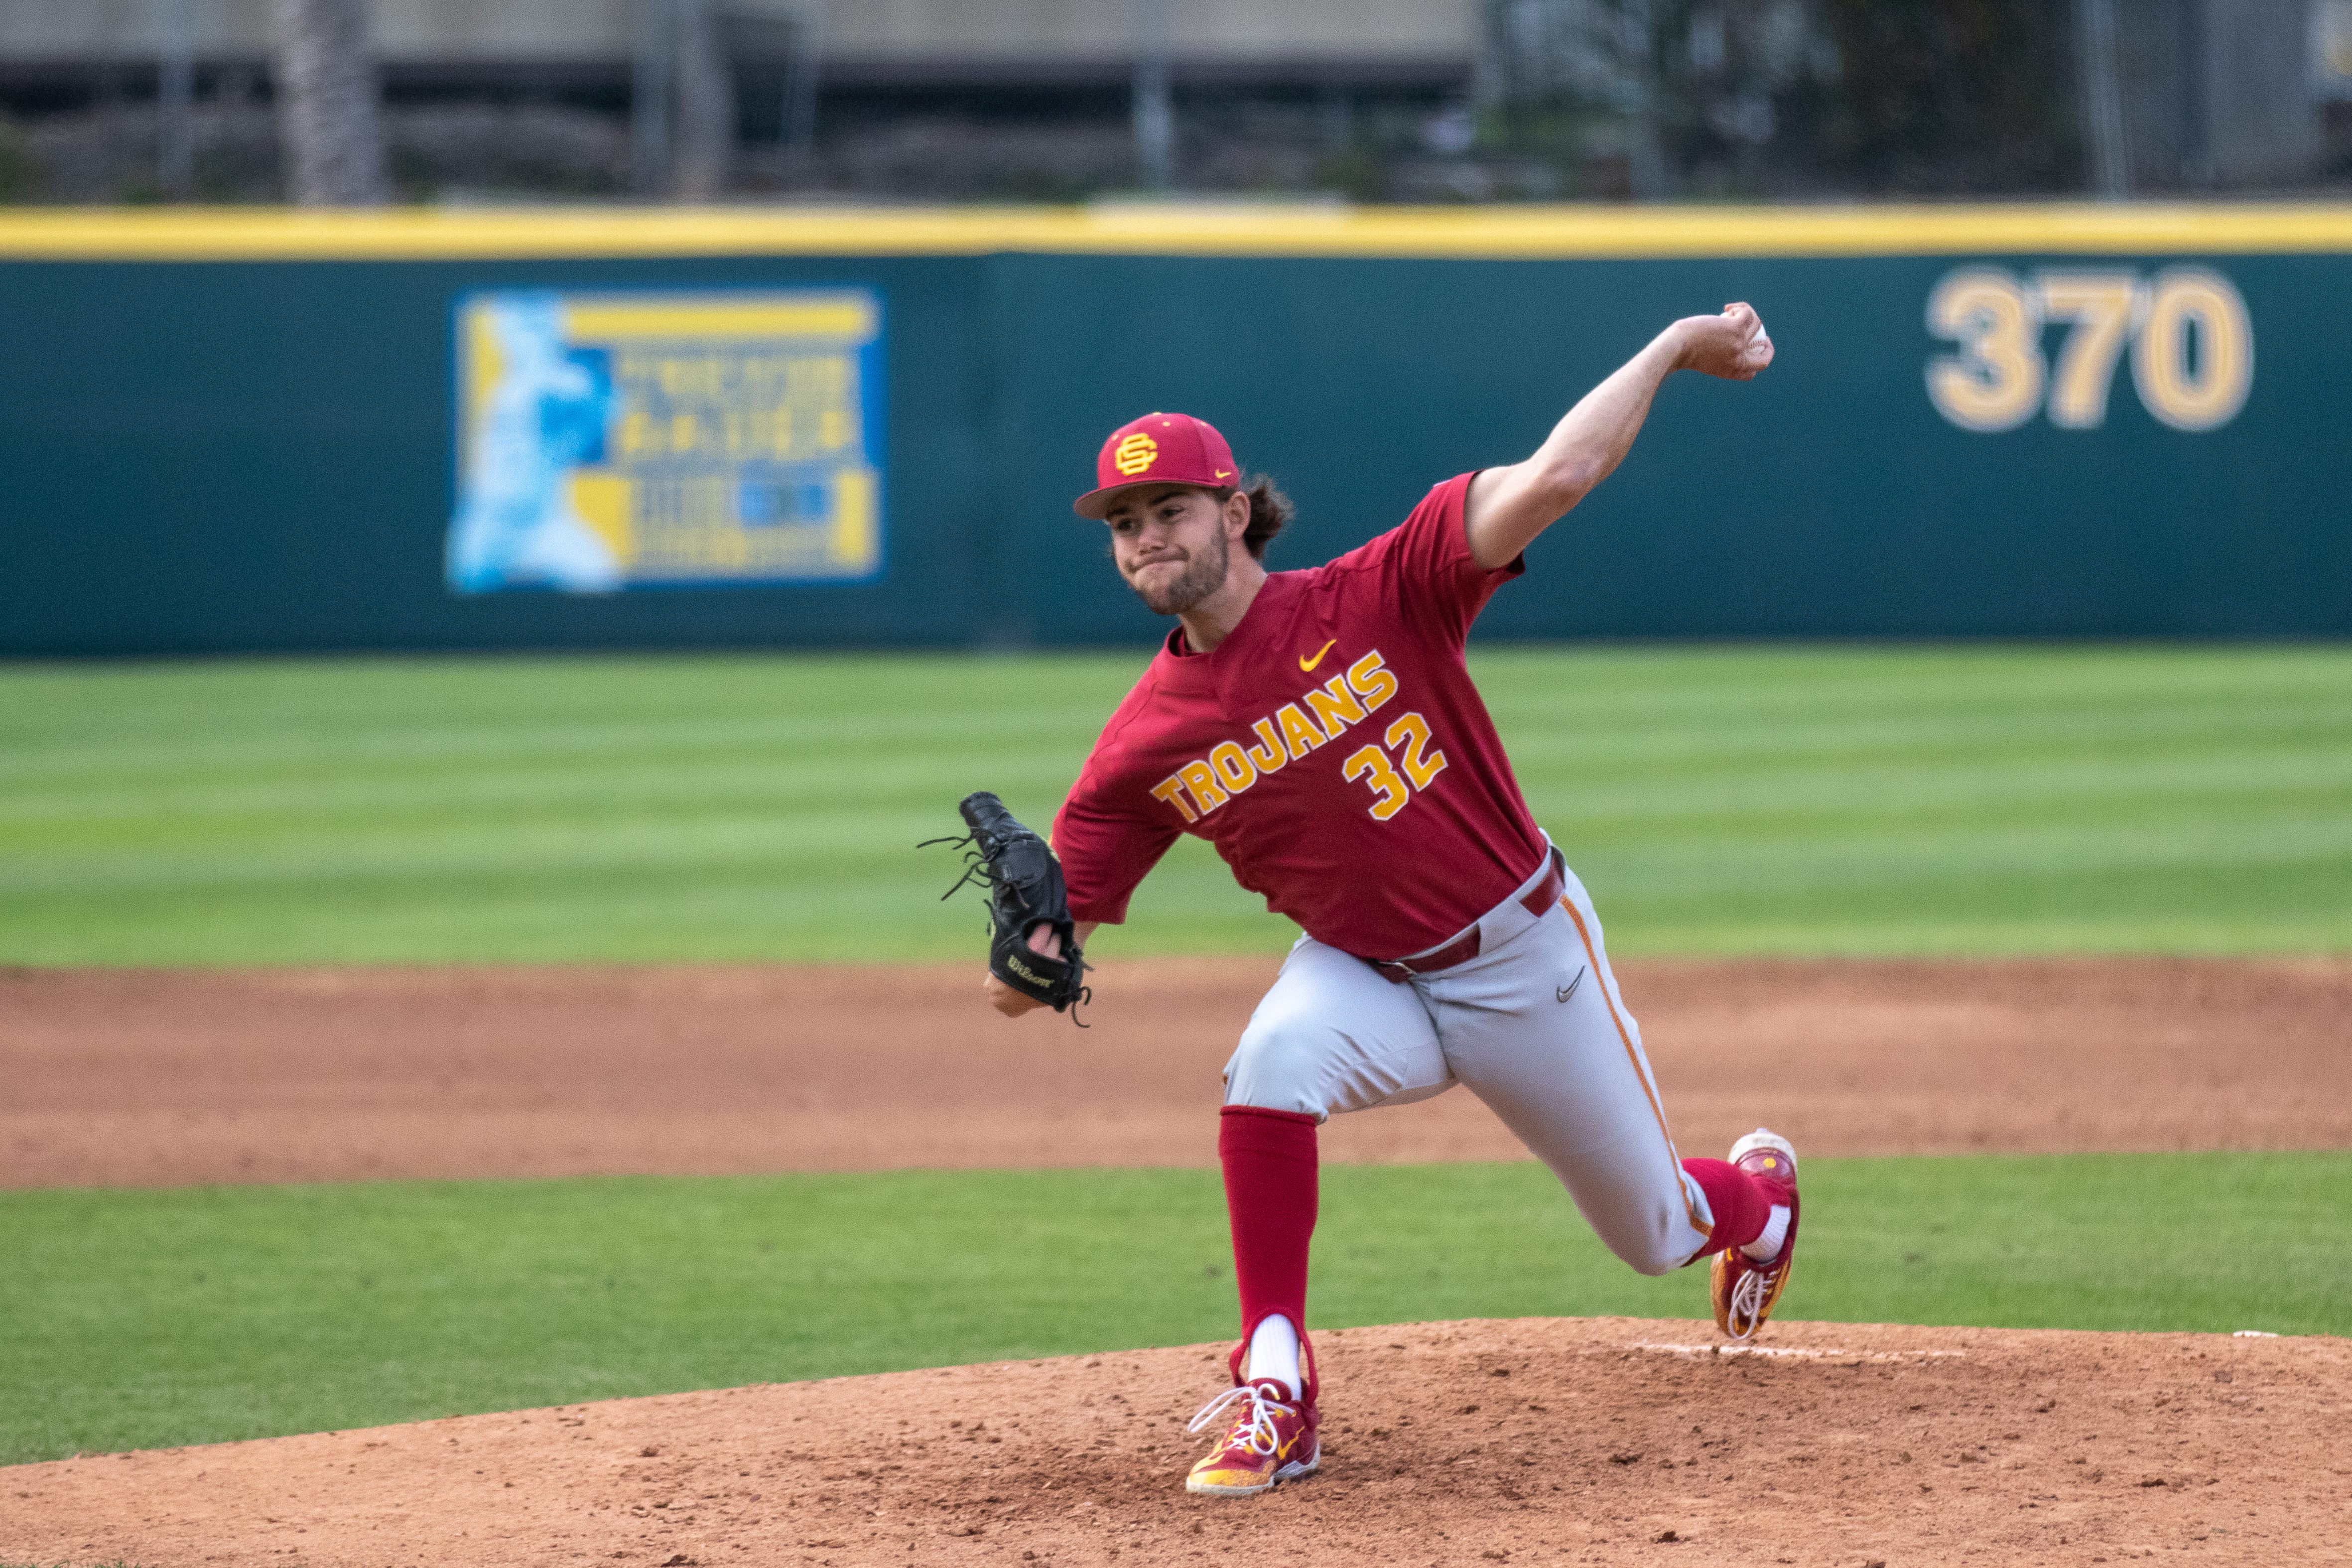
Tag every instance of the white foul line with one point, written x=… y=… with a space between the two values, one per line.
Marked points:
x=1791 y=1350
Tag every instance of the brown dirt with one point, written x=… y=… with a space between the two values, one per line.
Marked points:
x=1575 y=1441
x=129 y=1078
x=1608 y=1440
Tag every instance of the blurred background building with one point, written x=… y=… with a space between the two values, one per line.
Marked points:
x=1451 y=100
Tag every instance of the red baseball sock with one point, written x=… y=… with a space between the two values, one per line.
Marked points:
x=1269 y=1160
x=1741 y=1204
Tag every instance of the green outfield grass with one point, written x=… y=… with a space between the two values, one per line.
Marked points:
x=1937 y=800
x=151 y=1318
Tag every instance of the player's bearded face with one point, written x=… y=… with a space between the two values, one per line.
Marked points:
x=1173 y=568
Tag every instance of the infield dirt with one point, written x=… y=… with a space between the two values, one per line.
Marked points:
x=133 y=1078
x=1606 y=1440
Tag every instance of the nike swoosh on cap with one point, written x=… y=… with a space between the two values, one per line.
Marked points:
x=1309 y=664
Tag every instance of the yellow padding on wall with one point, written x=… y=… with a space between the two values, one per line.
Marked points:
x=1209 y=229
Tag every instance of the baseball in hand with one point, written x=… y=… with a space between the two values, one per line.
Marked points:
x=1733 y=345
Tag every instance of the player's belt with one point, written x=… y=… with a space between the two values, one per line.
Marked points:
x=1465 y=948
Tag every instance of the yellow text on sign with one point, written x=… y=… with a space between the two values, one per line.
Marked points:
x=2191 y=341
x=850 y=318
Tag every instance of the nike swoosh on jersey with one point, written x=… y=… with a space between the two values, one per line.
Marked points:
x=1309 y=664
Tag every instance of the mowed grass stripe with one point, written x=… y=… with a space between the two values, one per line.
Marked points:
x=153 y=1318
x=1867 y=800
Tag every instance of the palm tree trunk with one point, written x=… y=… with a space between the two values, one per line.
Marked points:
x=327 y=103
x=706 y=104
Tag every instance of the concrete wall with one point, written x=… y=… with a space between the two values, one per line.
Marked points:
x=2219 y=92
x=86 y=29
x=2262 y=125
x=918 y=30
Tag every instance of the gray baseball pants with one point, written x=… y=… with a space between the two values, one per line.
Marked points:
x=1533 y=1026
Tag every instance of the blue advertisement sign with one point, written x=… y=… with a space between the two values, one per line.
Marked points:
x=671 y=440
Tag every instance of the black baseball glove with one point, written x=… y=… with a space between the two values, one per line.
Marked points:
x=1024 y=891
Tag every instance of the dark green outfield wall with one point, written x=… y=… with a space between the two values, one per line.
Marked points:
x=230 y=456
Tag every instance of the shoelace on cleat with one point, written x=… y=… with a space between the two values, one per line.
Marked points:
x=1252 y=1428
x=1747 y=1294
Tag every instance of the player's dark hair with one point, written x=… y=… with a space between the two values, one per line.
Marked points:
x=1269 y=509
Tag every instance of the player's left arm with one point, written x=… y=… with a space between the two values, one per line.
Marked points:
x=1508 y=507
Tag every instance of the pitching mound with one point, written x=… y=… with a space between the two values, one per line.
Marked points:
x=1589 y=1440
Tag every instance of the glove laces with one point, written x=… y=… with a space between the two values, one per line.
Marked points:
x=976 y=868
x=1252 y=1428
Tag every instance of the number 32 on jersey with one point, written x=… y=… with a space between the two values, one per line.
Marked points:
x=1410 y=736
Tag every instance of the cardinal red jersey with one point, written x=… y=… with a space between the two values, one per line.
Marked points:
x=1332 y=748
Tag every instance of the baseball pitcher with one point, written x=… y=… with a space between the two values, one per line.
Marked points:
x=1320 y=729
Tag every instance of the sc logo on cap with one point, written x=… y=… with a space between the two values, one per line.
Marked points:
x=1135 y=454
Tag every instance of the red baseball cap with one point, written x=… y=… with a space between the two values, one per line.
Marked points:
x=1159 y=449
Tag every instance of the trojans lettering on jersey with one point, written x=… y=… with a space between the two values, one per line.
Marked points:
x=1291 y=732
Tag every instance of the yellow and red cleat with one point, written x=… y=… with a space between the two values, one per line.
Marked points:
x=1744 y=1290
x=1269 y=1437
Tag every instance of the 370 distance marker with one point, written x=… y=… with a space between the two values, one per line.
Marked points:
x=2193 y=346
